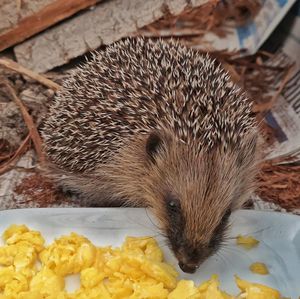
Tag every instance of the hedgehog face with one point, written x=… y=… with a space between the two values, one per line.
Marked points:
x=193 y=194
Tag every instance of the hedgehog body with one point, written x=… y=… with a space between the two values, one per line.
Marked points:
x=138 y=86
x=155 y=123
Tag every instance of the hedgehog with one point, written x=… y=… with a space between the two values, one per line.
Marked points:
x=156 y=124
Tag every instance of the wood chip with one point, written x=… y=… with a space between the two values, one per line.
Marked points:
x=214 y=17
x=279 y=183
x=37 y=189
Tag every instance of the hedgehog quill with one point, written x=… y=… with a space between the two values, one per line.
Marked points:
x=156 y=124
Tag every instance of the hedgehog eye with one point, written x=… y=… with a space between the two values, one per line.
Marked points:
x=173 y=205
x=152 y=145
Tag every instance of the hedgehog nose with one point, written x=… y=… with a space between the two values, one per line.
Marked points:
x=188 y=268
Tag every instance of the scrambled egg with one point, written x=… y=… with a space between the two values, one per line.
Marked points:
x=259 y=268
x=247 y=242
x=136 y=270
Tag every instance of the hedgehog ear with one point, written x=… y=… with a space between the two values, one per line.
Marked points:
x=153 y=143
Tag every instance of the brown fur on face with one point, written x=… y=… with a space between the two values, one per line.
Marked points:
x=191 y=193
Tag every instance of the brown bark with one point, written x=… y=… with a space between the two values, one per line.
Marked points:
x=12 y=11
x=45 y=17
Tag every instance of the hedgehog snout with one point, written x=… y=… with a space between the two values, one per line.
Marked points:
x=189 y=263
x=189 y=260
x=188 y=268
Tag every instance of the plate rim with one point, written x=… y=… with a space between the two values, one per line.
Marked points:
x=85 y=209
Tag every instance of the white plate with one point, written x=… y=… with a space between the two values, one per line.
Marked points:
x=279 y=236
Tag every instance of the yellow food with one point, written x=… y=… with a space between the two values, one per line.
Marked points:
x=259 y=268
x=256 y=291
x=69 y=255
x=136 y=270
x=247 y=242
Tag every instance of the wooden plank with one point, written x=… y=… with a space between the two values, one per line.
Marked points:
x=12 y=11
x=47 y=16
x=108 y=22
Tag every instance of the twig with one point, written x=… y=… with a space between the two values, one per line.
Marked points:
x=19 y=5
x=265 y=53
x=5 y=157
x=232 y=71
x=14 y=159
x=254 y=65
x=282 y=85
x=29 y=122
x=12 y=65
